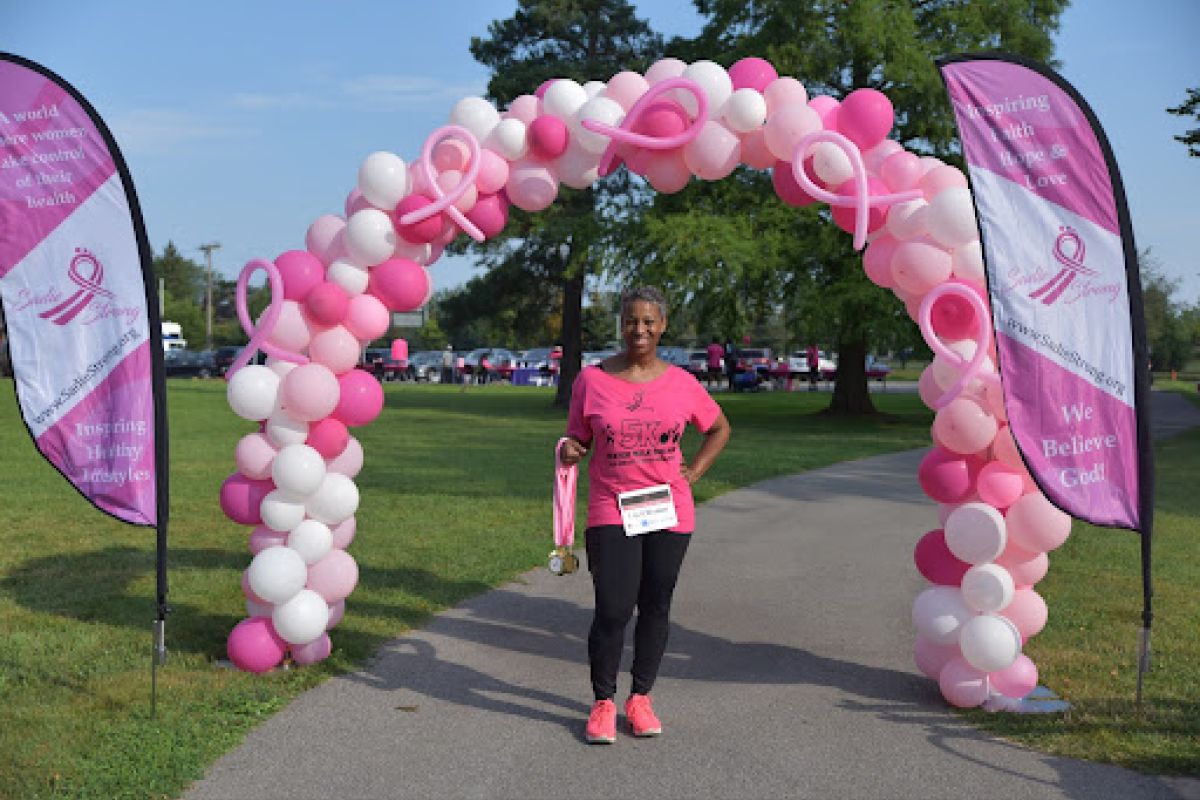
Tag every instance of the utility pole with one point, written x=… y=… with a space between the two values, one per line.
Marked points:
x=208 y=251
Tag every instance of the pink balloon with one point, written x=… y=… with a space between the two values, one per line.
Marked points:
x=336 y=348
x=664 y=69
x=548 y=137
x=334 y=576
x=450 y=154
x=253 y=645
x=301 y=271
x=919 y=265
x=755 y=153
x=626 y=88
x=350 y=462
x=953 y=317
x=254 y=454
x=964 y=426
x=449 y=181
x=928 y=388
x=948 y=477
x=1025 y=567
x=874 y=158
x=531 y=186
x=367 y=318
x=962 y=685
x=827 y=108
x=493 y=173
x=844 y=216
x=1017 y=680
x=936 y=563
x=865 y=117
x=939 y=178
x=421 y=232
x=1028 y=612
x=667 y=171
x=313 y=652
x=309 y=392
x=361 y=398
x=242 y=496
x=328 y=437
x=263 y=537
x=291 y=331
x=662 y=119
x=248 y=592
x=343 y=533
x=901 y=171
x=714 y=153
x=525 y=107
x=786 y=186
x=490 y=214
x=540 y=92
x=1000 y=485
x=326 y=303
x=336 y=612
x=355 y=202
x=784 y=93
x=752 y=73
x=877 y=260
x=400 y=283
x=931 y=657
x=1005 y=449
x=323 y=239
x=1035 y=524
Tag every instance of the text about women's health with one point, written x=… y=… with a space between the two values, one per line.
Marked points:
x=38 y=149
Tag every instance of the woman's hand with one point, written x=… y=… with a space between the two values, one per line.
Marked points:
x=689 y=474
x=572 y=452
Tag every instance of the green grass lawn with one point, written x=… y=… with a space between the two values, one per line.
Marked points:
x=455 y=499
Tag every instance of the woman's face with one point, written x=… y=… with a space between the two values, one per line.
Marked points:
x=642 y=325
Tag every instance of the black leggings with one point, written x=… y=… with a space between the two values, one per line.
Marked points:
x=628 y=571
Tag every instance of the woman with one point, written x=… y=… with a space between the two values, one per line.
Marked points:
x=632 y=409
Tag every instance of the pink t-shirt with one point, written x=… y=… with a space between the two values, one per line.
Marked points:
x=715 y=353
x=635 y=430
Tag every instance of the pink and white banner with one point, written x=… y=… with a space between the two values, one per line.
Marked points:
x=1061 y=268
x=73 y=280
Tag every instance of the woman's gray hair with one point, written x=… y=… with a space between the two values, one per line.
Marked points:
x=648 y=294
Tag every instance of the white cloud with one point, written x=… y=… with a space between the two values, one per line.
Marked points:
x=404 y=92
x=159 y=131
x=284 y=101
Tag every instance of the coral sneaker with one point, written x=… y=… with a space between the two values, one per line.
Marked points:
x=641 y=716
x=602 y=723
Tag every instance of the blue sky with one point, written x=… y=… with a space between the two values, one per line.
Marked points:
x=243 y=122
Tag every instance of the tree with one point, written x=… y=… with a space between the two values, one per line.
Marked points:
x=582 y=40
x=1167 y=321
x=833 y=47
x=1189 y=108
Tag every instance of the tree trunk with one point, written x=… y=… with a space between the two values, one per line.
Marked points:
x=572 y=336
x=850 y=395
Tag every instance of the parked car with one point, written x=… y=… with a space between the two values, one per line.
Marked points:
x=754 y=359
x=876 y=369
x=593 y=358
x=798 y=363
x=379 y=362
x=545 y=359
x=183 y=363
x=501 y=361
x=223 y=358
x=698 y=363
x=673 y=355
x=425 y=365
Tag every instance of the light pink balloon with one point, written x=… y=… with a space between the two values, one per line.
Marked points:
x=343 y=533
x=1005 y=449
x=962 y=685
x=1035 y=524
x=524 y=108
x=928 y=388
x=336 y=612
x=291 y=331
x=939 y=178
x=336 y=348
x=493 y=172
x=1025 y=567
x=263 y=537
x=827 y=109
x=667 y=171
x=784 y=93
x=334 y=576
x=713 y=154
x=664 y=69
x=313 y=652
x=901 y=171
x=964 y=426
x=350 y=461
x=1017 y=680
x=450 y=154
x=873 y=159
x=1028 y=612
x=877 y=260
x=310 y=392
x=322 y=239
x=919 y=265
x=531 y=186
x=755 y=153
x=448 y=181
x=931 y=657
x=355 y=202
x=1000 y=485
x=786 y=126
x=626 y=88
x=367 y=318
x=254 y=454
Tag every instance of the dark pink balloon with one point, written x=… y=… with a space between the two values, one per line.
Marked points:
x=361 y=398
x=789 y=191
x=827 y=109
x=548 y=137
x=953 y=317
x=1000 y=485
x=241 y=498
x=490 y=214
x=948 y=477
x=865 y=117
x=327 y=303
x=935 y=561
x=662 y=118
x=752 y=73
x=311 y=653
x=328 y=437
x=844 y=216
x=400 y=283
x=421 y=232
x=254 y=646
x=300 y=271
x=263 y=537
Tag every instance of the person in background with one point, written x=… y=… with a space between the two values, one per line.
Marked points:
x=814 y=367
x=448 y=364
x=731 y=364
x=715 y=354
x=630 y=412
x=485 y=366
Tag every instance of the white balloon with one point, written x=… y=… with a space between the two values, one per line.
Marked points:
x=281 y=511
x=988 y=587
x=907 y=220
x=713 y=80
x=277 y=573
x=939 y=613
x=383 y=179
x=600 y=109
x=311 y=539
x=280 y=367
x=831 y=164
x=593 y=88
x=664 y=69
x=745 y=110
x=284 y=429
x=577 y=167
x=951 y=217
x=976 y=533
x=967 y=263
x=420 y=253
x=350 y=276
x=336 y=499
x=370 y=237
x=510 y=139
x=302 y=618
x=946 y=372
x=563 y=98
x=476 y=115
x=298 y=470
x=990 y=642
x=253 y=392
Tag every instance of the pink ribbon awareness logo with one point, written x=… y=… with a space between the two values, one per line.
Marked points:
x=1069 y=251
x=89 y=287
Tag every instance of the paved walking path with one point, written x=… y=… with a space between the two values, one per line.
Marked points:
x=788 y=675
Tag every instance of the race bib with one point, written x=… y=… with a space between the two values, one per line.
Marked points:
x=647 y=510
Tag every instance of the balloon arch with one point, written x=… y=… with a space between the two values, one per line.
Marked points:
x=295 y=475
